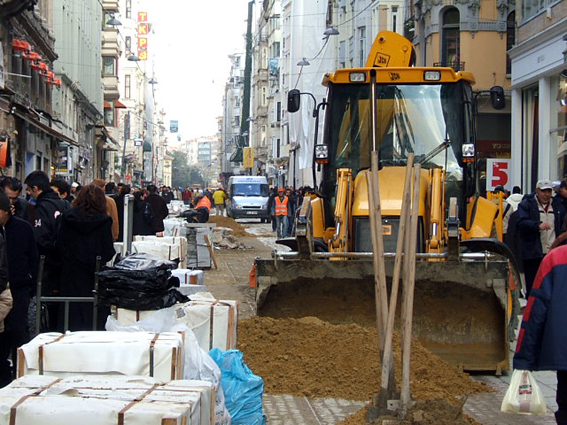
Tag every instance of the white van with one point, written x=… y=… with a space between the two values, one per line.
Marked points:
x=248 y=197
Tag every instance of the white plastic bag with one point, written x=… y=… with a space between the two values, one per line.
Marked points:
x=524 y=395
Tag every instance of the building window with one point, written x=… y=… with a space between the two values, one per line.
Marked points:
x=510 y=40
x=128 y=43
x=109 y=117
x=127 y=86
x=108 y=65
x=451 y=49
x=276 y=49
x=394 y=18
x=342 y=54
x=128 y=9
x=362 y=45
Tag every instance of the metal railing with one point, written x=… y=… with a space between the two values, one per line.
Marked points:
x=65 y=300
x=457 y=66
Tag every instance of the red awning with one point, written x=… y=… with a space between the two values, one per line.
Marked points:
x=20 y=45
x=33 y=56
x=106 y=105
x=118 y=104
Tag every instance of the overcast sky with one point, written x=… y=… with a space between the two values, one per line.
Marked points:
x=192 y=41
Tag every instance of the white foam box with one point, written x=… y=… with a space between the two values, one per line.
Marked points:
x=213 y=321
x=174 y=226
x=125 y=317
x=170 y=249
x=189 y=277
x=98 y=352
x=106 y=400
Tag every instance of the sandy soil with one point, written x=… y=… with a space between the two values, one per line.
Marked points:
x=238 y=229
x=312 y=358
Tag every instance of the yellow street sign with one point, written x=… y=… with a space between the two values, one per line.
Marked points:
x=248 y=157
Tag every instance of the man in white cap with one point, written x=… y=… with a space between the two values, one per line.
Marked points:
x=539 y=222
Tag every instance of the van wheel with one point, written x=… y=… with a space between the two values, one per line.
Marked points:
x=262 y=220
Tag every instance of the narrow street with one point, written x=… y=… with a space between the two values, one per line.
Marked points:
x=231 y=281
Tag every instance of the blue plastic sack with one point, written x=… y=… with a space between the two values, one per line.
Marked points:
x=242 y=389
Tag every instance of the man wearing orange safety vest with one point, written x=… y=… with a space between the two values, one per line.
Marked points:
x=281 y=210
x=203 y=207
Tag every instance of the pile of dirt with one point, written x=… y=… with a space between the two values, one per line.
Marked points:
x=237 y=228
x=312 y=358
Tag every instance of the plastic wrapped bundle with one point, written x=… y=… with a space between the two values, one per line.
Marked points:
x=140 y=282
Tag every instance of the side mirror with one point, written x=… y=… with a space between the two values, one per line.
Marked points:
x=293 y=100
x=497 y=97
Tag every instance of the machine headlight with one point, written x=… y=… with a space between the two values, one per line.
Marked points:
x=468 y=152
x=357 y=77
x=321 y=154
x=432 y=75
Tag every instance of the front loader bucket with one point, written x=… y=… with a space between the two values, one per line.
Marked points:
x=460 y=309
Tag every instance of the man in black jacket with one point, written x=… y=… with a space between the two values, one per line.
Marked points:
x=48 y=210
x=159 y=208
x=23 y=265
x=20 y=206
x=539 y=223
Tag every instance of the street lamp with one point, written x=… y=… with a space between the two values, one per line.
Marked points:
x=113 y=21
x=133 y=58
x=331 y=31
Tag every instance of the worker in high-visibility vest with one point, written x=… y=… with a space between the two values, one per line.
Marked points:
x=281 y=210
x=203 y=207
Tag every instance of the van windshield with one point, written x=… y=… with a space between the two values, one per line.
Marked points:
x=249 y=189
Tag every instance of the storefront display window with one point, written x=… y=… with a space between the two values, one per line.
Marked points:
x=558 y=127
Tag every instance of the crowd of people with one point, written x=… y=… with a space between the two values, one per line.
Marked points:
x=71 y=229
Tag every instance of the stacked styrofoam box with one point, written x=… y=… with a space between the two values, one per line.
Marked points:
x=106 y=400
x=174 y=226
x=83 y=353
x=214 y=322
x=189 y=277
x=191 y=281
x=167 y=247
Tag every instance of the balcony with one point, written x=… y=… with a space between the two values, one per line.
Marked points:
x=262 y=75
x=110 y=46
x=111 y=5
x=457 y=66
x=110 y=87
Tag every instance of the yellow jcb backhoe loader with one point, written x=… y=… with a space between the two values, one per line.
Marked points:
x=464 y=305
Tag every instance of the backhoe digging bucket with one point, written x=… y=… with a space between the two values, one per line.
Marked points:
x=461 y=310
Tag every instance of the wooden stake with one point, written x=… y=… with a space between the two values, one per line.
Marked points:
x=387 y=360
x=380 y=290
x=210 y=248
x=407 y=317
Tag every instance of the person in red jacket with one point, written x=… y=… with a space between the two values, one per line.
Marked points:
x=543 y=334
x=187 y=196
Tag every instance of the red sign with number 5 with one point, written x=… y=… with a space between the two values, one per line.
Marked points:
x=497 y=173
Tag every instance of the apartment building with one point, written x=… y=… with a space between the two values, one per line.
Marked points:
x=539 y=93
